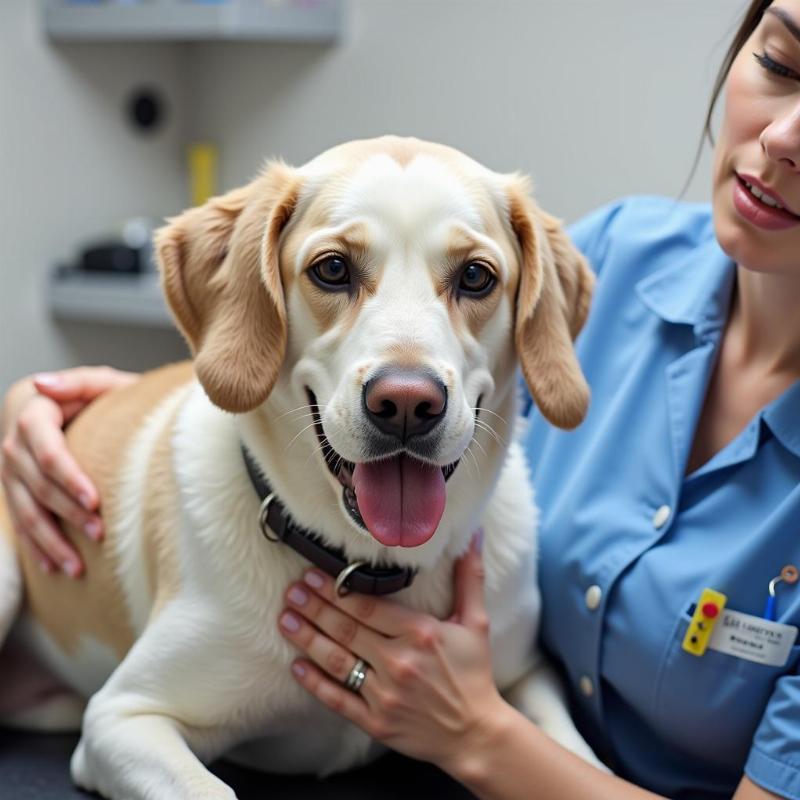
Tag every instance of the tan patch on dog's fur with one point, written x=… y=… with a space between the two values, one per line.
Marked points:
x=220 y=273
x=94 y=606
x=345 y=157
x=160 y=520
x=331 y=308
x=472 y=312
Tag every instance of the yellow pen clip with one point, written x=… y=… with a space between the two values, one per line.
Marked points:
x=706 y=613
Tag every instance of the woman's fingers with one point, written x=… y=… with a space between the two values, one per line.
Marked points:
x=383 y=616
x=34 y=523
x=469 y=605
x=46 y=564
x=40 y=429
x=334 y=695
x=52 y=497
x=81 y=383
x=328 y=636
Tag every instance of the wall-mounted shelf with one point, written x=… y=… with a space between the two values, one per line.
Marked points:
x=188 y=20
x=114 y=298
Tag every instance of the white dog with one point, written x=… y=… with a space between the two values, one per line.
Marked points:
x=356 y=326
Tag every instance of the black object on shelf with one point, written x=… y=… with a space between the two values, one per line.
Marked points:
x=110 y=257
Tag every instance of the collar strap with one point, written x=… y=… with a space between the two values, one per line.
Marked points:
x=356 y=576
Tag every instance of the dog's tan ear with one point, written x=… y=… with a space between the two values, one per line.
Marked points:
x=221 y=276
x=553 y=298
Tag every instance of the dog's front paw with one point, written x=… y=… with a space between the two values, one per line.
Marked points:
x=80 y=771
x=88 y=774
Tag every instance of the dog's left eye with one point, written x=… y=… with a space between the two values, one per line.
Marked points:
x=476 y=280
x=331 y=272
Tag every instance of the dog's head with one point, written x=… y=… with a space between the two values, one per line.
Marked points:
x=390 y=286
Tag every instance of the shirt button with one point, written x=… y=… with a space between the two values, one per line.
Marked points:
x=586 y=686
x=661 y=516
x=593 y=596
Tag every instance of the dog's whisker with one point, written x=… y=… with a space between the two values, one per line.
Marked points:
x=314 y=450
x=297 y=436
x=468 y=452
x=299 y=419
x=483 y=449
x=305 y=407
x=480 y=424
x=468 y=466
x=483 y=426
x=489 y=411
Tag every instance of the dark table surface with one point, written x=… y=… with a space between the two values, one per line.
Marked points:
x=36 y=767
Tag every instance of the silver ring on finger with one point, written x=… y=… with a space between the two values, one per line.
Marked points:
x=355 y=680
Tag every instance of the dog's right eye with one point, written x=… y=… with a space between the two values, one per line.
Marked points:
x=331 y=272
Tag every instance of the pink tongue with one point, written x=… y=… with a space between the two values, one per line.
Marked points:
x=401 y=500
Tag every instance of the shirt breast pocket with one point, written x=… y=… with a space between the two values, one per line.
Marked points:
x=711 y=705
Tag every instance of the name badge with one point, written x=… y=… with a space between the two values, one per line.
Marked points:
x=753 y=638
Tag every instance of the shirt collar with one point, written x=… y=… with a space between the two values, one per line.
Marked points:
x=696 y=290
x=692 y=290
x=783 y=420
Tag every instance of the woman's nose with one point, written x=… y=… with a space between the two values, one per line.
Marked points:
x=780 y=140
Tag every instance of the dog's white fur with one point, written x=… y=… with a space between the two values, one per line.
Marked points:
x=208 y=671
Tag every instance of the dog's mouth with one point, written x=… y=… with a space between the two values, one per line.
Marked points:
x=399 y=500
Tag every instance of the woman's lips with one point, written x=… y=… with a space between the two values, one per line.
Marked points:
x=760 y=214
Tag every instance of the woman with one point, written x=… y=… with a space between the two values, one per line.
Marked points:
x=684 y=476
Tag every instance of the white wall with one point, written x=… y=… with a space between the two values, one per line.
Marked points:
x=594 y=98
x=71 y=170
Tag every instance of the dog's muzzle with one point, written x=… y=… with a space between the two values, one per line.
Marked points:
x=394 y=494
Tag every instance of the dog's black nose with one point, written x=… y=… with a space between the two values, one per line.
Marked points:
x=404 y=403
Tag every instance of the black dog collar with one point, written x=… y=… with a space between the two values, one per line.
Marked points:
x=351 y=576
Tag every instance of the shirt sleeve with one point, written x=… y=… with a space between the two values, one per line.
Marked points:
x=774 y=759
x=592 y=233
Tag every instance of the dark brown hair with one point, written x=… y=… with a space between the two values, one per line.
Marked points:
x=746 y=27
x=749 y=23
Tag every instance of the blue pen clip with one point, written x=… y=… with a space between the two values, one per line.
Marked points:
x=789 y=574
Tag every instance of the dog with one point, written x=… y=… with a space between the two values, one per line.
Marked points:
x=356 y=325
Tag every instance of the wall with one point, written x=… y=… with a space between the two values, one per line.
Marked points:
x=594 y=99
x=71 y=169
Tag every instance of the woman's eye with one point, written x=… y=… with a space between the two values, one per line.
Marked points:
x=775 y=67
x=476 y=280
x=331 y=272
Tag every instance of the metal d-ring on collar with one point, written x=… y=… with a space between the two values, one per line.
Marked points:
x=277 y=525
x=340 y=585
x=263 y=514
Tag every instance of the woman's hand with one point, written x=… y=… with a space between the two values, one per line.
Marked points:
x=40 y=477
x=429 y=691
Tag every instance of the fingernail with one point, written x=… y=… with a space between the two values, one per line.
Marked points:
x=297 y=596
x=71 y=568
x=290 y=622
x=93 y=529
x=85 y=500
x=298 y=669
x=44 y=566
x=477 y=541
x=314 y=579
x=48 y=379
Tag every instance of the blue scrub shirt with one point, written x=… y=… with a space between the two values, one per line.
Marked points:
x=628 y=541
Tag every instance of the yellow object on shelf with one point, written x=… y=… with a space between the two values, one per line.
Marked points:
x=203 y=158
x=706 y=614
